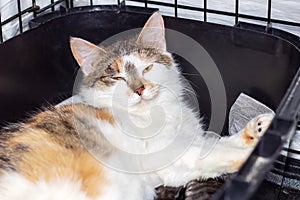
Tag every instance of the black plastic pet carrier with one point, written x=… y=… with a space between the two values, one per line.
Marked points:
x=37 y=68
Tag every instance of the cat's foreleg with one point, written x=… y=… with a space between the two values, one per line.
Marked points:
x=226 y=156
x=232 y=151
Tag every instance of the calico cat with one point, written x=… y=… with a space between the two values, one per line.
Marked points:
x=102 y=148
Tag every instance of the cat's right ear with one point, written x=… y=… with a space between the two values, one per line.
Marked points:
x=153 y=32
x=85 y=53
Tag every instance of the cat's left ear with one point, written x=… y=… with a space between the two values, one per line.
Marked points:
x=153 y=33
x=86 y=54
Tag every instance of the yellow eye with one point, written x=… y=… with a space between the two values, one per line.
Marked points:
x=147 y=69
x=119 y=78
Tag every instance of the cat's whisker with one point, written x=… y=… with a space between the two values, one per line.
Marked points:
x=189 y=89
x=193 y=84
x=189 y=74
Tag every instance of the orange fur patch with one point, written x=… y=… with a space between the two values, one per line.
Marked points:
x=52 y=150
x=235 y=166
x=247 y=137
x=48 y=160
x=118 y=64
x=105 y=115
x=100 y=113
x=67 y=108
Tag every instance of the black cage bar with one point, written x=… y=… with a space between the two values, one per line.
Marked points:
x=36 y=10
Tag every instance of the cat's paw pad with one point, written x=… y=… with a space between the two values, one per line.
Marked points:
x=256 y=128
x=262 y=123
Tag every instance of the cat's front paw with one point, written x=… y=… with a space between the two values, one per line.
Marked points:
x=256 y=128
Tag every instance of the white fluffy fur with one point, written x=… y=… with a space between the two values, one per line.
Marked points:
x=15 y=187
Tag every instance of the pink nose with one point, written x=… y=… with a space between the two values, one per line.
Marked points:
x=140 y=90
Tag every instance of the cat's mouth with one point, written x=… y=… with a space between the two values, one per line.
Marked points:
x=145 y=96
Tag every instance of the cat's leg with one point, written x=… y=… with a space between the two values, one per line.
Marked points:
x=232 y=151
x=226 y=156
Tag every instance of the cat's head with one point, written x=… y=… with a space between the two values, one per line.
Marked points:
x=131 y=72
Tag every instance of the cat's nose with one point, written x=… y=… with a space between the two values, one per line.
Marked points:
x=140 y=90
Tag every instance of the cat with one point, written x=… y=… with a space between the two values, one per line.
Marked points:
x=102 y=148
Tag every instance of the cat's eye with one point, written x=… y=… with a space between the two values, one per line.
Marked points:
x=147 y=69
x=119 y=78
